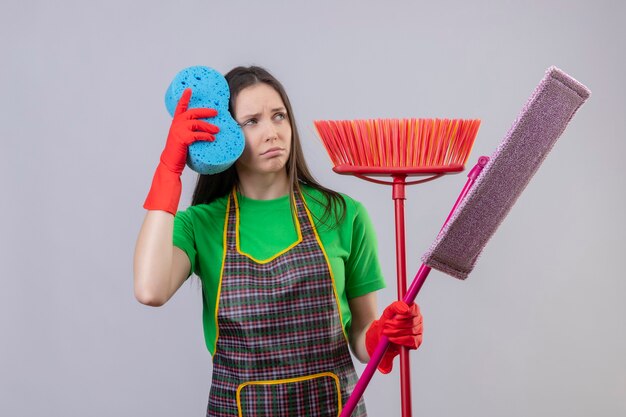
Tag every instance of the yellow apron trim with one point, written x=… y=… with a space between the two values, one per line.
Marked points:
x=264 y=261
x=287 y=381
x=219 y=285
x=330 y=270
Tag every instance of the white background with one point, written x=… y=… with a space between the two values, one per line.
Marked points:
x=539 y=327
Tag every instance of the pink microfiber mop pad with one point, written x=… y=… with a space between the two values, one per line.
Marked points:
x=545 y=116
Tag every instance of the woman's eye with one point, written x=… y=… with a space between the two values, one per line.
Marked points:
x=249 y=122
x=280 y=116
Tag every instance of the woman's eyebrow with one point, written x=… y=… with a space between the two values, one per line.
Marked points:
x=256 y=115
x=250 y=116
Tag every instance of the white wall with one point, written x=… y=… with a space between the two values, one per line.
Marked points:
x=539 y=327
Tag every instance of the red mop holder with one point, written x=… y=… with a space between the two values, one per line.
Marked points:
x=399 y=183
x=398 y=194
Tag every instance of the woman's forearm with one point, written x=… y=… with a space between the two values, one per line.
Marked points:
x=155 y=279
x=364 y=312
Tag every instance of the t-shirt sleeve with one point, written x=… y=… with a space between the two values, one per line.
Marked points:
x=184 y=237
x=363 y=272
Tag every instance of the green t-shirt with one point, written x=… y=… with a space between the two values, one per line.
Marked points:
x=266 y=227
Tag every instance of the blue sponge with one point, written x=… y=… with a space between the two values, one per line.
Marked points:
x=209 y=89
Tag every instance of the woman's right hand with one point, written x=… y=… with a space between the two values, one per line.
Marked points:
x=186 y=128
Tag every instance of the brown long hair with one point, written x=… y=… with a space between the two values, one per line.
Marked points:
x=211 y=187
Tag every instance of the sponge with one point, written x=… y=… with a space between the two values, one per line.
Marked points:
x=209 y=89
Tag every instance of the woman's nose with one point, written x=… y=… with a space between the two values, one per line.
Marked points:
x=270 y=132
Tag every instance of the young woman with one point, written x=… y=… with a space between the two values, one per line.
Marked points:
x=289 y=268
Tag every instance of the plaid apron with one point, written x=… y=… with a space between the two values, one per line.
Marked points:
x=281 y=350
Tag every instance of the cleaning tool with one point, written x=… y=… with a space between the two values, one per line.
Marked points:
x=512 y=165
x=493 y=186
x=210 y=90
x=398 y=148
x=186 y=128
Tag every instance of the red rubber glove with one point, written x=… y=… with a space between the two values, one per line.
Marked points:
x=185 y=129
x=402 y=324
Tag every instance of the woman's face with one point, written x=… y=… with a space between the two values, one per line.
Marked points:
x=262 y=115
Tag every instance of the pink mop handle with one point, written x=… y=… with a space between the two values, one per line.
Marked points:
x=409 y=298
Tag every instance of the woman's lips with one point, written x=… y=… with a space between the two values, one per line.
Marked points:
x=272 y=152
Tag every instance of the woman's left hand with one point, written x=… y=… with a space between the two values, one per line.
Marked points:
x=402 y=324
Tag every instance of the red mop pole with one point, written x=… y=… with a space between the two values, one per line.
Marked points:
x=398 y=195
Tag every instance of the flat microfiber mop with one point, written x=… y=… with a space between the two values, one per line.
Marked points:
x=495 y=184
